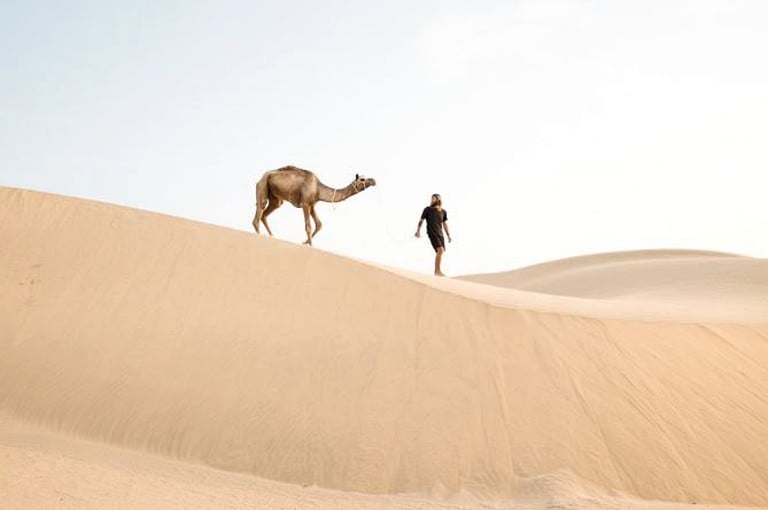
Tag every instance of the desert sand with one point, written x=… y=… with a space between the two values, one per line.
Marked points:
x=152 y=361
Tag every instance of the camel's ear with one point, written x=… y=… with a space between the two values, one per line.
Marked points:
x=357 y=177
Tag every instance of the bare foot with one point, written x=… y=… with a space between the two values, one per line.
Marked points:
x=439 y=274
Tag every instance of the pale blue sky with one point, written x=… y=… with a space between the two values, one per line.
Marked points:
x=551 y=128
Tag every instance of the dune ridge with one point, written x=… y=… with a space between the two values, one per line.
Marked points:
x=253 y=355
x=658 y=274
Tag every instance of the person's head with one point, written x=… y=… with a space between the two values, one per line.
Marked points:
x=436 y=200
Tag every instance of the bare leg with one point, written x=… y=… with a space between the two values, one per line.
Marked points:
x=274 y=203
x=438 y=259
x=318 y=223
x=307 y=225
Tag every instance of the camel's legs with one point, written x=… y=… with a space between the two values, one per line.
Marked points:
x=256 y=220
x=307 y=224
x=274 y=203
x=257 y=216
x=318 y=223
x=261 y=202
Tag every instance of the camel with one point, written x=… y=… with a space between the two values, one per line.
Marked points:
x=303 y=189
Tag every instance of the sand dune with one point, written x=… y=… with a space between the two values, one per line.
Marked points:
x=660 y=274
x=660 y=284
x=590 y=379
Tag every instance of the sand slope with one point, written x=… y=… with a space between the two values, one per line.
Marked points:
x=662 y=275
x=216 y=346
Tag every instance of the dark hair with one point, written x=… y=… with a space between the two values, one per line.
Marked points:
x=438 y=200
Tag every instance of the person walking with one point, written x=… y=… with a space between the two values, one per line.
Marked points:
x=437 y=221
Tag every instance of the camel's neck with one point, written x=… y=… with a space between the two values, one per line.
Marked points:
x=328 y=194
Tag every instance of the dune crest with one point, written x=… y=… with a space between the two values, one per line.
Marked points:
x=659 y=274
x=215 y=346
x=667 y=285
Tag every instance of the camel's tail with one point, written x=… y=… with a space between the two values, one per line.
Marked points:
x=261 y=191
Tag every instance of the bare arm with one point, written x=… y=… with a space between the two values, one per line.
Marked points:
x=418 y=227
x=445 y=227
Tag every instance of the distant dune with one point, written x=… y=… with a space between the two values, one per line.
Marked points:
x=709 y=286
x=140 y=351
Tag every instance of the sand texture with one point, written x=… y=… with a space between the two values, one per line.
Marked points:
x=180 y=364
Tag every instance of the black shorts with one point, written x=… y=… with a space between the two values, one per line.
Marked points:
x=437 y=240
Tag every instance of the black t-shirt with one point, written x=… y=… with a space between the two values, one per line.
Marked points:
x=435 y=218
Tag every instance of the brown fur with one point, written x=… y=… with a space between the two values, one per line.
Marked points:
x=303 y=189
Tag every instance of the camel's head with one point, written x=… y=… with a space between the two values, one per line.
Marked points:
x=362 y=182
